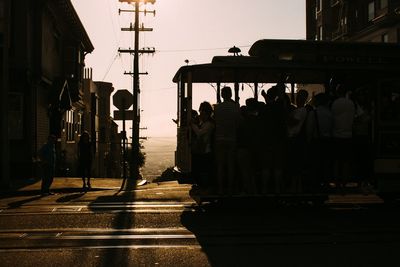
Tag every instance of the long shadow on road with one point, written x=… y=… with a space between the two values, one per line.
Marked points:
x=265 y=234
x=121 y=221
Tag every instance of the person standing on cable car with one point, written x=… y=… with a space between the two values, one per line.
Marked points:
x=202 y=157
x=227 y=115
x=343 y=112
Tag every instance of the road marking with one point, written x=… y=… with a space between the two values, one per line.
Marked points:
x=93 y=211
x=135 y=205
x=23 y=235
x=191 y=247
x=67 y=209
x=99 y=230
x=111 y=237
x=145 y=203
x=120 y=207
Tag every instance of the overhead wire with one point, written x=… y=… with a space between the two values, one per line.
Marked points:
x=109 y=66
x=196 y=49
x=117 y=39
x=112 y=22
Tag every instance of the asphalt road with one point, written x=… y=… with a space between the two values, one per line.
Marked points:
x=160 y=225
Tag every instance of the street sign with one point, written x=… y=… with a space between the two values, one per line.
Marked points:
x=122 y=99
x=119 y=116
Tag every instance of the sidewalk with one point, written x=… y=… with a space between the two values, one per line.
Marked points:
x=110 y=188
x=103 y=189
x=62 y=185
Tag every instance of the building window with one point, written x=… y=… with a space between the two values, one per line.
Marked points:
x=385 y=38
x=371 y=10
x=383 y=4
x=343 y=21
x=79 y=123
x=1 y=10
x=318 y=4
x=319 y=35
x=69 y=125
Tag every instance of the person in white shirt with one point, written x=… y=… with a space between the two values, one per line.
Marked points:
x=343 y=112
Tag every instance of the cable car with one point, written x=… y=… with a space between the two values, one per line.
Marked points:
x=370 y=68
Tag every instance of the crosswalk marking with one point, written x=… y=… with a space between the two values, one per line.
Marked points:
x=117 y=207
x=189 y=247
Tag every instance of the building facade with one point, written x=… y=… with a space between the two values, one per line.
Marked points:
x=43 y=45
x=353 y=20
x=92 y=116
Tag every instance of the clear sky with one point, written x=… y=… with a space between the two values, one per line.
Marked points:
x=182 y=29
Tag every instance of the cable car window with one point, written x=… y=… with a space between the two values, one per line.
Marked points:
x=390 y=102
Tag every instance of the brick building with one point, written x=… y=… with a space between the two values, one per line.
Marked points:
x=353 y=20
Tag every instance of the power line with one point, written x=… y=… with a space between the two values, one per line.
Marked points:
x=161 y=89
x=109 y=67
x=112 y=22
x=196 y=49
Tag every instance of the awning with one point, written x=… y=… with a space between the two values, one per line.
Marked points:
x=61 y=98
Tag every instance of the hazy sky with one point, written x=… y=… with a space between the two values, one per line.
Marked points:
x=182 y=29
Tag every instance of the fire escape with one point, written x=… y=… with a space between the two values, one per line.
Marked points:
x=339 y=7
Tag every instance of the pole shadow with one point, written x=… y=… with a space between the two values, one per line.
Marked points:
x=121 y=221
x=18 y=204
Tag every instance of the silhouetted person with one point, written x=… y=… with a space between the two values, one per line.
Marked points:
x=297 y=141
x=343 y=112
x=202 y=157
x=319 y=134
x=362 y=145
x=85 y=160
x=47 y=157
x=226 y=122
x=274 y=138
x=248 y=145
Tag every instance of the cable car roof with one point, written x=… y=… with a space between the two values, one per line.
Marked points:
x=298 y=61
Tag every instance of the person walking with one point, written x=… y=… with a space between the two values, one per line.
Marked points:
x=85 y=160
x=47 y=158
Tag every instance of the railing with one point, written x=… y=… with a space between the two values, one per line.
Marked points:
x=340 y=32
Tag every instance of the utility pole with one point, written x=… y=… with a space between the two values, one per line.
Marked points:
x=134 y=166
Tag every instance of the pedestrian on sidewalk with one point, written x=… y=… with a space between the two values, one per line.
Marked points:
x=85 y=160
x=47 y=158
